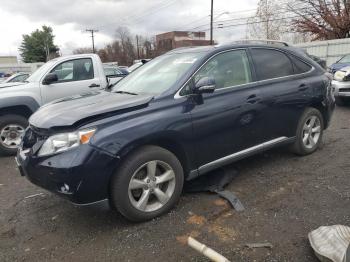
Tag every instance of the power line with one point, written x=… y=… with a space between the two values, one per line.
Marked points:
x=255 y=22
x=211 y=21
x=241 y=18
x=138 y=18
x=92 y=31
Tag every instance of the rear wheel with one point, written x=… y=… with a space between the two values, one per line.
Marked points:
x=309 y=132
x=148 y=184
x=11 y=130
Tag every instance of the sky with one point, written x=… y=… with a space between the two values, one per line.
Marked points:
x=70 y=18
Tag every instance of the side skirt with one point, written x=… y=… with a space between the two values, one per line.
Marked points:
x=239 y=155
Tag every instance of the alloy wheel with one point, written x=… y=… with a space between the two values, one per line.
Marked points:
x=311 y=131
x=10 y=136
x=151 y=186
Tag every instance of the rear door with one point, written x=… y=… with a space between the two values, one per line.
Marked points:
x=226 y=121
x=74 y=77
x=285 y=90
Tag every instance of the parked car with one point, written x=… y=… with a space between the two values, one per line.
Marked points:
x=179 y=116
x=60 y=77
x=342 y=62
x=138 y=64
x=114 y=74
x=15 y=79
x=341 y=86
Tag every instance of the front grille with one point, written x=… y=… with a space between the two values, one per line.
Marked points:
x=344 y=89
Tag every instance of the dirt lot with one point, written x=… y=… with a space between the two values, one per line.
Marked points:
x=285 y=197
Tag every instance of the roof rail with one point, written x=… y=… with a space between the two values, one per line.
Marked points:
x=266 y=41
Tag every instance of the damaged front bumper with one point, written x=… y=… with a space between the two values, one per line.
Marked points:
x=80 y=175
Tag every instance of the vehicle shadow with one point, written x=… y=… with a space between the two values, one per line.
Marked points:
x=111 y=218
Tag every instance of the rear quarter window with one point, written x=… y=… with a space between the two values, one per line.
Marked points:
x=299 y=66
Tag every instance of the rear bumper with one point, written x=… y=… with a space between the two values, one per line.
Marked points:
x=341 y=89
x=80 y=175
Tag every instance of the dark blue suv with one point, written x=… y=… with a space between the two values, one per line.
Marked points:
x=179 y=116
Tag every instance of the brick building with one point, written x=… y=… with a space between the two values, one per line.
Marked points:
x=170 y=40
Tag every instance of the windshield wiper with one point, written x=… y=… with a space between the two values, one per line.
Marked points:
x=125 y=92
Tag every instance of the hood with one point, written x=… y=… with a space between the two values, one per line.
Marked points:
x=335 y=67
x=2 y=85
x=71 y=110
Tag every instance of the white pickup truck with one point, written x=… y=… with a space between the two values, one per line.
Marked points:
x=58 y=78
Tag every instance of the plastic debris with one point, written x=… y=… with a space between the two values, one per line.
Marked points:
x=35 y=195
x=215 y=182
x=206 y=251
x=331 y=243
x=259 y=245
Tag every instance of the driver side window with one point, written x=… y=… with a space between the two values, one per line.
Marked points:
x=228 y=69
x=74 y=70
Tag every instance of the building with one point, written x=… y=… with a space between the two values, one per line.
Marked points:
x=171 y=40
x=10 y=65
x=8 y=59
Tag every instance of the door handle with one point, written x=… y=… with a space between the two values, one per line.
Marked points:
x=94 y=85
x=303 y=87
x=252 y=99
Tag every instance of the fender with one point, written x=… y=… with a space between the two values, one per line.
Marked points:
x=27 y=101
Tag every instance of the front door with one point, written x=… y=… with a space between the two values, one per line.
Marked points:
x=74 y=77
x=228 y=120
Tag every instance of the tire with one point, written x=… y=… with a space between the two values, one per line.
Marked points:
x=306 y=147
x=138 y=167
x=11 y=125
x=339 y=101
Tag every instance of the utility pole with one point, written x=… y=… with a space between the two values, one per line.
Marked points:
x=137 y=46
x=211 y=22
x=92 y=31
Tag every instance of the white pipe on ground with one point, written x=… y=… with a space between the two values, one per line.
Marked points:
x=206 y=251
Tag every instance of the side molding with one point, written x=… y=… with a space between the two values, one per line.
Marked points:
x=238 y=156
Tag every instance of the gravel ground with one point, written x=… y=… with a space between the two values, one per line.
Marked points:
x=285 y=197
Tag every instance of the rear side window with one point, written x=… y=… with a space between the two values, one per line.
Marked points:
x=299 y=66
x=271 y=63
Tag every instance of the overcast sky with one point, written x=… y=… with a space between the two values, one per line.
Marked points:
x=70 y=18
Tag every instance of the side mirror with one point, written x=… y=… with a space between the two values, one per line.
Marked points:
x=205 y=85
x=50 y=78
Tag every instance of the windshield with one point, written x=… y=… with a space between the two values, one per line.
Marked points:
x=345 y=59
x=41 y=70
x=158 y=75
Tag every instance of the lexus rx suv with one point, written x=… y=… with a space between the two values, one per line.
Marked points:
x=177 y=117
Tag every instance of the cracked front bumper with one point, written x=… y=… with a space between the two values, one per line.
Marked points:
x=80 y=175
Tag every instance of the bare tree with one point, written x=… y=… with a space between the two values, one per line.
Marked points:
x=82 y=50
x=123 y=49
x=323 y=19
x=269 y=22
x=128 y=54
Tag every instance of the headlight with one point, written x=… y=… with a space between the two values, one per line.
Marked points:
x=64 y=141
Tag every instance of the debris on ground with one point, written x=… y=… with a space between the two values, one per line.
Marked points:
x=331 y=243
x=206 y=251
x=259 y=245
x=232 y=199
x=215 y=182
x=35 y=195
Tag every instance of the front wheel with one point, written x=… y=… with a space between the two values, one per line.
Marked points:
x=309 y=132
x=11 y=130
x=147 y=184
